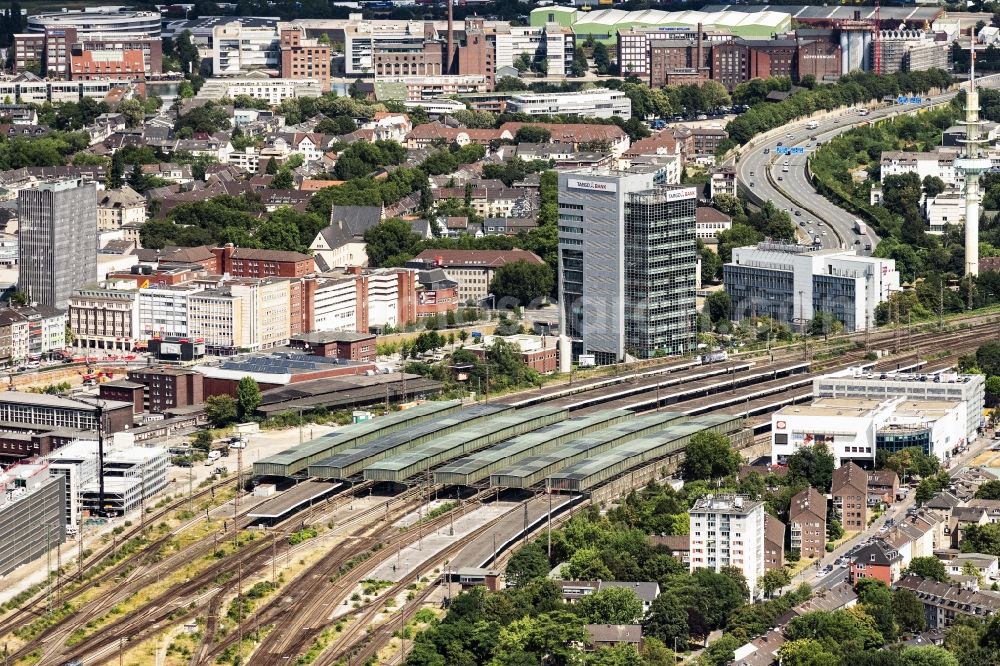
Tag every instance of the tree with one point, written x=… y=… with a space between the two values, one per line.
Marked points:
x=709 y=455
x=667 y=620
x=929 y=567
x=813 y=464
x=834 y=530
x=283 y=180
x=527 y=563
x=825 y=324
x=926 y=490
x=981 y=539
x=579 y=65
x=806 y=652
x=202 y=440
x=602 y=61
x=587 y=564
x=876 y=600
x=989 y=490
x=930 y=655
x=933 y=186
x=721 y=651
x=988 y=358
x=546 y=638
x=773 y=580
x=522 y=282
x=711 y=264
x=908 y=611
x=271 y=168
x=532 y=134
x=247 y=398
x=719 y=306
x=391 y=241
x=220 y=410
x=613 y=605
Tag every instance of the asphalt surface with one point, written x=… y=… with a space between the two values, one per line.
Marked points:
x=758 y=172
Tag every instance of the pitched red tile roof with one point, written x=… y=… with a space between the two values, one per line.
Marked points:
x=482 y=258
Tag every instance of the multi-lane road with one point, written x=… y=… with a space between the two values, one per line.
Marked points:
x=760 y=172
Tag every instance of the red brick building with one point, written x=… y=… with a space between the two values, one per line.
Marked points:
x=253 y=263
x=90 y=65
x=336 y=344
x=124 y=390
x=168 y=387
x=304 y=58
x=876 y=560
x=539 y=352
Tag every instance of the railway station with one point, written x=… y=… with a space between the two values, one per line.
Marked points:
x=298 y=496
x=402 y=466
x=294 y=460
x=471 y=469
x=351 y=461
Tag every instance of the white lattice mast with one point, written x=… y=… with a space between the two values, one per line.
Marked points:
x=972 y=164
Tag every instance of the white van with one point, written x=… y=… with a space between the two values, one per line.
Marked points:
x=212 y=457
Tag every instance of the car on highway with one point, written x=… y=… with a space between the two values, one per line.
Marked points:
x=780 y=178
x=767 y=150
x=802 y=224
x=798 y=213
x=751 y=183
x=751 y=173
x=780 y=144
x=824 y=233
x=819 y=222
x=857 y=242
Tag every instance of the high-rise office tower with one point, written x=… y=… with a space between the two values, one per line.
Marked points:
x=627 y=262
x=57 y=238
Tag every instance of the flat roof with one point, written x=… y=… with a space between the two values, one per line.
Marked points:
x=293 y=498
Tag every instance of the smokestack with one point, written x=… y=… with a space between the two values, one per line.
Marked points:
x=451 y=41
x=700 y=56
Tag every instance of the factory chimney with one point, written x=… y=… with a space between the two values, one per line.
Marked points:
x=451 y=41
x=700 y=55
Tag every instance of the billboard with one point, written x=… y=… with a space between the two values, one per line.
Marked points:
x=170 y=349
x=592 y=185
x=682 y=193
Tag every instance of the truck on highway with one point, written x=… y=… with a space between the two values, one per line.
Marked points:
x=812 y=124
x=859 y=228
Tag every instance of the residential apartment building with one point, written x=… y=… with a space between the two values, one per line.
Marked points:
x=104 y=317
x=303 y=58
x=728 y=530
x=260 y=86
x=939 y=163
x=552 y=43
x=57 y=240
x=216 y=317
x=593 y=103
x=632 y=243
x=807 y=522
x=944 y=603
x=116 y=208
x=850 y=496
x=876 y=560
x=794 y=283
x=472 y=269
x=774 y=543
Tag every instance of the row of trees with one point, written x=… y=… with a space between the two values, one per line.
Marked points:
x=854 y=88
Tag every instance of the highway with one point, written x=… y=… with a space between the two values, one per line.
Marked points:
x=760 y=172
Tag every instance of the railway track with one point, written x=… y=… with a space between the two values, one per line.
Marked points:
x=54 y=638
x=33 y=608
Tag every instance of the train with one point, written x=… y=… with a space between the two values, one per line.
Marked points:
x=717 y=356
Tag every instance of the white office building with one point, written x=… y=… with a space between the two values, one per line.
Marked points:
x=593 y=103
x=728 y=531
x=238 y=49
x=793 y=283
x=944 y=386
x=260 y=86
x=335 y=305
x=131 y=476
x=163 y=311
x=854 y=429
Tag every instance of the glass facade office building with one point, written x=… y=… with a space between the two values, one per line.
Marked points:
x=627 y=262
